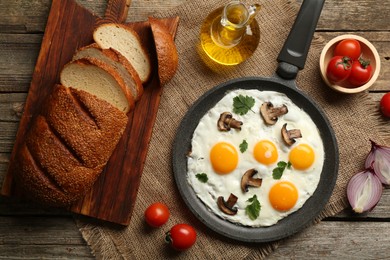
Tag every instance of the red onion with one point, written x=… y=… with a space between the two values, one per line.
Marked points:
x=364 y=191
x=379 y=159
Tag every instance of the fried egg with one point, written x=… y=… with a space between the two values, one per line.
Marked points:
x=223 y=158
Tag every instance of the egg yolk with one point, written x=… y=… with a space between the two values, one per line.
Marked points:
x=283 y=196
x=223 y=157
x=265 y=152
x=301 y=157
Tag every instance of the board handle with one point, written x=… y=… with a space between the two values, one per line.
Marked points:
x=116 y=12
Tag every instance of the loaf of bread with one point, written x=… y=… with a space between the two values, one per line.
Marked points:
x=67 y=146
x=127 y=42
x=116 y=60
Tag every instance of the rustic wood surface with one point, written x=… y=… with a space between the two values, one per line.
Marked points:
x=29 y=231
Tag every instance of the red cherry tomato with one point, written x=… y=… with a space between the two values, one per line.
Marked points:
x=361 y=72
x=348 y=47
x=385 y=105
x=157 y=214
x=338 y=69
x=181 y=236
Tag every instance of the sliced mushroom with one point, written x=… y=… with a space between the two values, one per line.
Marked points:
x=226 y=121
x=227 y=206
x=290 y=135
x=270 y=113
x=247 y=180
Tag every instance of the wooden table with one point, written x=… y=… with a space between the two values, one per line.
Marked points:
x=28 y=231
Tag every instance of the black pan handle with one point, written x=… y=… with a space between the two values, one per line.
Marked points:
x=293 y=55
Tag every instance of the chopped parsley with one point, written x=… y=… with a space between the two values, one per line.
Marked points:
x=202 y=177
x=278 y=171
x=241 y=104
x=253 y=209
x=243 y=146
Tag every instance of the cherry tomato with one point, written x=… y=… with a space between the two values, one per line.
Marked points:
x=181 y=236
x=157 y=214
x=338 y=69
x=385 y=105
x=348 y=47
x=361 y=72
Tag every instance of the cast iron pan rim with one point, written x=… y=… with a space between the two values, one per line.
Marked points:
x=295 y=221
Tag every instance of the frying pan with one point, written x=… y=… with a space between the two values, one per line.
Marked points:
x=290 y=60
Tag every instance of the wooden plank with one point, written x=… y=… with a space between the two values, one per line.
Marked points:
x=13 y=18
x=3 y=167
x=32 y=252
x=14 y=207
x=11 y=106
x=37 y=237
x=18 y=56
x=40 y=227
x=140 y=9
x=7 y=139
x=337 y=240
x=359 y=15
x=354 y=16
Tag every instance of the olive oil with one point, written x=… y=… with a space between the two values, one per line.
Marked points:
x=229 y=35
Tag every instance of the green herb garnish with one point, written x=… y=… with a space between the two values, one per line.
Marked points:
x=241 y=104
x=278 y=171
x=243 y=146
x=202 y=177
x=253 y=209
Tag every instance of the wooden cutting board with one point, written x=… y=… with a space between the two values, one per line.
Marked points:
x=68 y=28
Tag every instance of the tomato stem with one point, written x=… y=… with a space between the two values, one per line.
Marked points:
x=364 y=63
x=168 y=238
x=346 y=62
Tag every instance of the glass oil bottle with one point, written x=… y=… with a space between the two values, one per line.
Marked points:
x=230 y=34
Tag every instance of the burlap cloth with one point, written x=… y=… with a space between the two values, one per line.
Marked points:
x=350 y=116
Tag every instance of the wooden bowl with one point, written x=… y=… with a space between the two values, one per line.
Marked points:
x=368 y=52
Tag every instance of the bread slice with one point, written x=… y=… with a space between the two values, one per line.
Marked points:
x=67 y=146
x=167 y=56
x=99 y=79
x=126 y=41
x=116 y=60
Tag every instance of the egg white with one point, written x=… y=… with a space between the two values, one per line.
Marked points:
x=206 y=135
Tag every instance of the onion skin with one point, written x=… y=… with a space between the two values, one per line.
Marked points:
x=364 y=191
x=379 y=160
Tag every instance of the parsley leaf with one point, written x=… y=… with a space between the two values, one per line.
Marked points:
x=289 y=165
x=243 y=146
x=253 y=209
x=278 y=171
x=241 y=104
x=202 y=177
